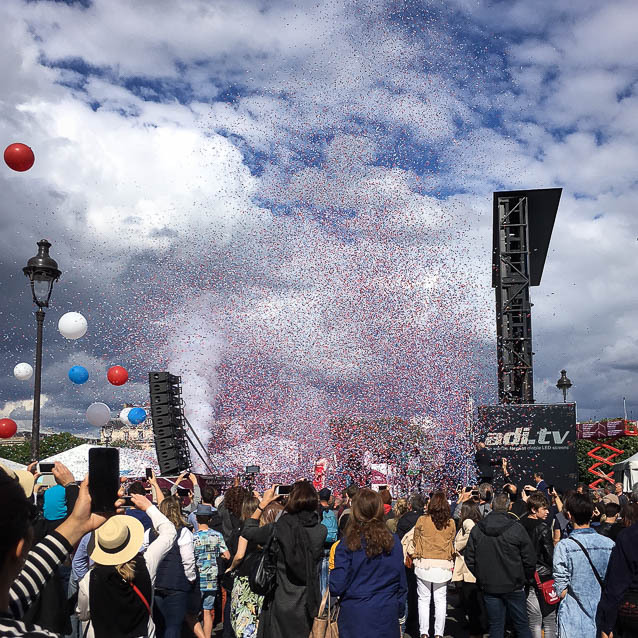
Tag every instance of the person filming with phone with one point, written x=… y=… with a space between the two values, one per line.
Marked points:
x=116 y=595
x=24 y=573
x=298 y=537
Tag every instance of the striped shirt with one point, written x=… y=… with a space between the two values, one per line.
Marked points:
x=41 y=562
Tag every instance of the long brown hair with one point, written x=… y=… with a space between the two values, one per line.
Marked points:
x=172 y=509
x=439 y=510
x=249 y=506
x=366 y=525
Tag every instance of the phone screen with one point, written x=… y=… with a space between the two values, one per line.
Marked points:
x=283 y=490
x=149 y=473
x=104 y=478
x=45 y=468
x=182 y=491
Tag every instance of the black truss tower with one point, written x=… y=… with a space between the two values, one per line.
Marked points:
x=523 y=222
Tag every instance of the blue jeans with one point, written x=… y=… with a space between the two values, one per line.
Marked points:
x=324 y=574
x=499 y=605
x=170 y=609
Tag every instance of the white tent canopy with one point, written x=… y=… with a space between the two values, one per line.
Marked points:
x=132 y=462
x=626 y=472
x=12 y=465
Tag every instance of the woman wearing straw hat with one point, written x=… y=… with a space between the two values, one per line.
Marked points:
x=116 y=595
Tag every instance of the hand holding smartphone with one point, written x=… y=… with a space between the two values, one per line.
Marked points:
x=104 y=478
x=283 y=490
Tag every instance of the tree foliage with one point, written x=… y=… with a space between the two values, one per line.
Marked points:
x=49 y=445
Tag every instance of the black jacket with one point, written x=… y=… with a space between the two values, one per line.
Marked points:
x=407 y=522
x=541 y=536
x=500 y=554
x=484 y=463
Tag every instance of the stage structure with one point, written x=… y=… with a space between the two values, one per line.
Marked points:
x=523 y=223
x=532 y=438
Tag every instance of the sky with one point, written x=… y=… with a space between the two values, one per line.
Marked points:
x=289 y=204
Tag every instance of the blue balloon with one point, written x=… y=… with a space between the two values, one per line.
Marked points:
x=137 y=416
x=79 y=375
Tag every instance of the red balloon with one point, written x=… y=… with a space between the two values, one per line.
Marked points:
x=8 y=428
x=19 y=157
x=117 y=375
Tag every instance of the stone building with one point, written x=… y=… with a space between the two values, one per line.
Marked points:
x=119 y=432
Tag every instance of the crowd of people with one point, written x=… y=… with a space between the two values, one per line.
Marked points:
x=530 y=561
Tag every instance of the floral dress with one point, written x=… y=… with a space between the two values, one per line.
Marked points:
x=245 y=606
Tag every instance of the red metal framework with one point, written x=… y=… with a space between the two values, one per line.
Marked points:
x=602 y=461
x=614 y=452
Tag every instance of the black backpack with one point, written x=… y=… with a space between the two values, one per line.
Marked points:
x=262 y=578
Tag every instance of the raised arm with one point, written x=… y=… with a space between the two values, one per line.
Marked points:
x=166 y=534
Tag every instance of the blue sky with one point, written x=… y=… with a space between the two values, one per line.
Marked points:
x=272 y=195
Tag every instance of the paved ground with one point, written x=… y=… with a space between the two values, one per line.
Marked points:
x=454 y=625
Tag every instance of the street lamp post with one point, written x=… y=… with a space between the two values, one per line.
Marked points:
x=42 y=272
x=563 y=384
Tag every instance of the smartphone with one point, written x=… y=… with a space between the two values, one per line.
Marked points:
x=551 y=489
x=104 y=478
x=149 y=472
x=475 y=493
x=468 y=489
x=252 y=469
x=128 y=501
x=459 y=487
x=283 y=490
x=182 y=491
x=45 y=468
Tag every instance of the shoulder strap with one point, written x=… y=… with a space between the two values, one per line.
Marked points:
x=598 y=578
x=142 y=598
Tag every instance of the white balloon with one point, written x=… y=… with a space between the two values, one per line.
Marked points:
x=98 y=414
x=72 y=325
x=124 y=416
x=23 y=372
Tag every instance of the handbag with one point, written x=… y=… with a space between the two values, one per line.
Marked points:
x=262 y=578
x=547 y=590
x=324 y=624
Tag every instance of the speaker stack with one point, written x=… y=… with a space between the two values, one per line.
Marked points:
x=167 y=412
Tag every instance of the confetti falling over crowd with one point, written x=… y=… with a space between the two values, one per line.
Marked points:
x=340 y=283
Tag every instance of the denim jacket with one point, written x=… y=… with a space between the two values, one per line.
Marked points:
x=572 y=571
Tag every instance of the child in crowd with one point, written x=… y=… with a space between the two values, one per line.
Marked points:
x=208 y=545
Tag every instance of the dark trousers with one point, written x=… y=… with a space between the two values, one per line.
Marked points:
x=170 y=609
x=227 y=631
x=498 y=606
x=473 y=606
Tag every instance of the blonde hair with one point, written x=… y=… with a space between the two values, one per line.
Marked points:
x=127 y=570
x=400 y=507
x=172 y=509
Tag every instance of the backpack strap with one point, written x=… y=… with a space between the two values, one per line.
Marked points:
x=598 y=578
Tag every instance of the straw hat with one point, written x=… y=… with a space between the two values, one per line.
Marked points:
x=117 y=541
x=24 y=477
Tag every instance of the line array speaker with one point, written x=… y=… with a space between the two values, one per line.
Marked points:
x=167 y=412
